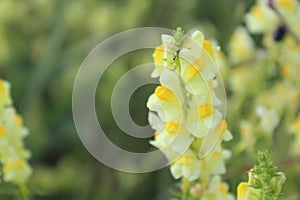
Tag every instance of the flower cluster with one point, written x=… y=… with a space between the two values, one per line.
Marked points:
x=264 y=83
x=264 y=181
x=13 y=155
x=184 y=113
x=264 y=77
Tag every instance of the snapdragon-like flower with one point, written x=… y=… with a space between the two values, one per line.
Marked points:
x=261 y=18
x=184 y=107
x=13 y=154
x=275 y=18
x=241 y=46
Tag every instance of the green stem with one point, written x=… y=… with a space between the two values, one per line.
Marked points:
x=185 y=93
x=24 y=192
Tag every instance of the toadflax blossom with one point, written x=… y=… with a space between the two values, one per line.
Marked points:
x=261 y=18
x=241 y=46
x=184 y=107
x=13 y=155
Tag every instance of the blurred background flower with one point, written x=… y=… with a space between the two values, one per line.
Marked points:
x=44 y=42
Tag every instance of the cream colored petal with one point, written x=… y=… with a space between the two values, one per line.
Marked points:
x=176 y=171
x=155 y=122
x=227 y=136
x=169 y=79
x=165 y=111
x=191 y=172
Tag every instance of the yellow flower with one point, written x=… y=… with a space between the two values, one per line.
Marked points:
x=242 y=191
x=245 y=192
x=13 y=155
x=290 y=5
x=241 y=46
x=217 y=190
x=159 y=62
x=165 y=94
x=187 y=166
x=167 y=98
x=172 y=127
x=261 y=18
x=17 y=171
x=159 y=55
x=205 y=110
x=185 y=107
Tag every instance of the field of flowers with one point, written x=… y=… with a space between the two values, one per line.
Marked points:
x=225 y=111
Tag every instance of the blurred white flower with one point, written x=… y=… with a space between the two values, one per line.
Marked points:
x=269 y=119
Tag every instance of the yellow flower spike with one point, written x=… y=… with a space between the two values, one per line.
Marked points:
x=172 y=127
x=158 y=55
x=207 y=47
x=242 y=191
x=257 y=11
x=205 y=110
x=165 y=94
x=2 y=131
x=287 y=4
x=186 y=160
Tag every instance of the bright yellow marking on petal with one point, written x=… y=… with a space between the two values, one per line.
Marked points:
x=207 y=47
x=193 y=70
x=19 y=120
x=172 y=127
x=158 y=55
x=216 y=154
x=221 y=127
x=242 y=190
x=205 y=110
x=211 y=84
x=13 y=165
x=165 y=94
x=2 y=131
x=156 y=134
x=199 y=64
x=223 y=188
x=2 y=88
x=257 y=11
x=186 y=160
x=285 y=69
x=287 y=4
